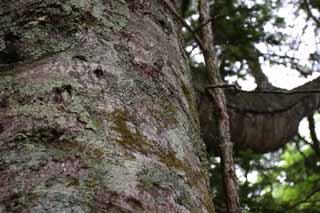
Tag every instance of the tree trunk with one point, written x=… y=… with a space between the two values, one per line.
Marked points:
x=97 y=111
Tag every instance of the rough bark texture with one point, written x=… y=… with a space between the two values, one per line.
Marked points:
x=97 y=112
x=260 y=121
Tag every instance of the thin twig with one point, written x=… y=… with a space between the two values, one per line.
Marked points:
x=237 y=89
x=311 y=193
x=185 y=24
x=194 y=46
x=310 y=91
x=304 y=140
x=207 y=22
x=225 y=86
x=310 y=14
x=202 y=25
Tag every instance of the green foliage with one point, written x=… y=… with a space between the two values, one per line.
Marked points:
x=283 y=181
x=185 y=7
x=237 y=25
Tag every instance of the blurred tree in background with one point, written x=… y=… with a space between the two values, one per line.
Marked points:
x=252 y=37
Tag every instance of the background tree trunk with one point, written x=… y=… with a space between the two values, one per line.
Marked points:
x=97 y=111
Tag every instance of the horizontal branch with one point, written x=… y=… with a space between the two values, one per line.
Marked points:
x=282 y=92
x=261 y=114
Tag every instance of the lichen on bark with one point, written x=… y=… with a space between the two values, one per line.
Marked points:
x=98 y=96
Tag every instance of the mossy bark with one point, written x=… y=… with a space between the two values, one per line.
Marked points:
x=97 y=110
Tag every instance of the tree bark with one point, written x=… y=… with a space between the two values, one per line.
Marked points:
x=221 y=117
x=261 y=121
x=97 y=111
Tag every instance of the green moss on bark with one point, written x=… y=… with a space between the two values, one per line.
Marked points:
x=129 y=139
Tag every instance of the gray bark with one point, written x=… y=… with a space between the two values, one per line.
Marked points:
x=97 y=111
